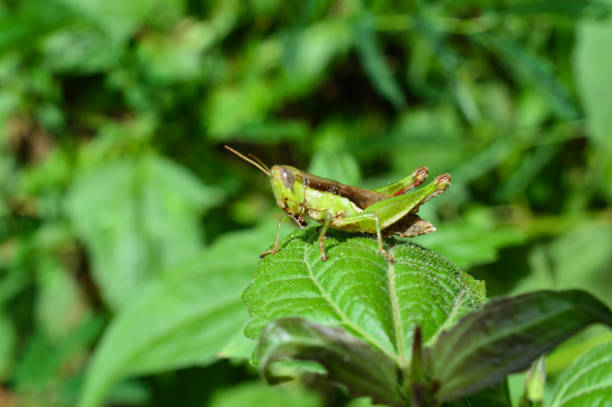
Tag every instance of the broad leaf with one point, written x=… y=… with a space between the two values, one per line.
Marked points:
x=588 y=381
x=505 y=336
x=136 y=218
x=348 y=360
x=183 y=318
x=358 y=290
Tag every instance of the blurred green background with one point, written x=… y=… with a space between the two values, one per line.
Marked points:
x=128 y=232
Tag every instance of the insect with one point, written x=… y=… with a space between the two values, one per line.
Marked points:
x=384 y=211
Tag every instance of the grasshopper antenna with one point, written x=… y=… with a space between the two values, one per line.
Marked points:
x=254 y=157
x=259 y=164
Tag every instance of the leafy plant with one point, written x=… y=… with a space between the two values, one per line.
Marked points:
x=413 y=332
x=127 y=235
x=587 y=381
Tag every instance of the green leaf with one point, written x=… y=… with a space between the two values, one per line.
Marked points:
x=565 y=355
x=184 y=317
x=473 y=240
x=59 y=304
x=593 y=69
x=332 y=160
x=239 y=348
x=532 y=70
x=348 y=360
x=258 y=394
x=358 y=290
x=506 y=335
x=374 y=63
x=118 y=19
x=577 y=259
x=339 y=166
x=42 y=361
x=32 y=20
x=80 y=49
x=136 y=218
x=308 y=52
x=588 y=381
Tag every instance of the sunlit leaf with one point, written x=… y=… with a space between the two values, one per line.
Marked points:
x=136 y=218
x=186 y=316
x=358 y=290
x=588 y=381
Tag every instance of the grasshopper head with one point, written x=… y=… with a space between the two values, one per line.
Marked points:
x=287 y=186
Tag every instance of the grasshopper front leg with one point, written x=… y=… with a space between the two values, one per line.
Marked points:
x=277 y=239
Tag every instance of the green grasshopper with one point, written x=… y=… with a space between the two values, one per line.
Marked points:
x=384 y=211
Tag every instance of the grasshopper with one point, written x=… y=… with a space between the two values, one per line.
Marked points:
x=384 y=211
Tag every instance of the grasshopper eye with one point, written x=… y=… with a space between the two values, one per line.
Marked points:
x=287 y=178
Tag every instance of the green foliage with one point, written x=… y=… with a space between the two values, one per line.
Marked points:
x=588 y=381
x=506 y=335
x=146 y=224
x=347 y=360
x=393 y=339
x=124 y=225
x=185 y=317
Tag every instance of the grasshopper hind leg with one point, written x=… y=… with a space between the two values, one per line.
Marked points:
x=371 y=216
x=384 y=252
